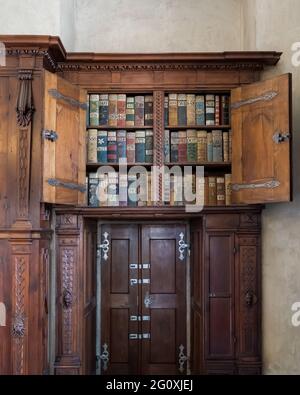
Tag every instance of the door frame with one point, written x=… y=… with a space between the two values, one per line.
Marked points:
x=188 y=285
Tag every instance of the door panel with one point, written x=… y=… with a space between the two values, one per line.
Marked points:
x=119 y=299
x=167 y=293
x=219 y=296
x=261 y=166
x=64 y=159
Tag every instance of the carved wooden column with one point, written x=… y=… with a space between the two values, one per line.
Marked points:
x=68 y=309
x=158 y=146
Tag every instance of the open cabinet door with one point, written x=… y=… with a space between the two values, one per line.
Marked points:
x=261 y=142
x=63 y=142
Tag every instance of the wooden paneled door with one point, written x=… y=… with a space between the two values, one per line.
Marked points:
x=143 y=299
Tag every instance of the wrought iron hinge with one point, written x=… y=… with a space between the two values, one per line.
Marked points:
x=182 y=246
x=104 y=247
x=49 y=135
x=264 y=185
x=105 y=356
x=281 y=137
x=182 y=358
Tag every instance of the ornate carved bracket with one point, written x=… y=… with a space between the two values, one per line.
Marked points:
x=25 y=107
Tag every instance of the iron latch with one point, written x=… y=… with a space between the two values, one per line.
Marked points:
x=49 y=135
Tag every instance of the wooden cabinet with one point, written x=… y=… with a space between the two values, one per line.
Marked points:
x=44 y=217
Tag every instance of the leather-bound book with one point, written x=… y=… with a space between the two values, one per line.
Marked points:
x=226 y=146
x=212 y=191
x=217 y=145
x=102 y=146
x=121 y=143
x=140 y=146
x=113 y=110
x=167 y=146
x=182 y=115
x=209 y=147
x=200 y=110
x=166 y=110
x=93 y=187
x=191 y=145
x=173 y=109
x=149 y=110
x=217 y=110
x=87 y=110
x=121 y=108
x=102 y=189
x=130 y=147
x=206 y=192
x=113 y=189
x=92 y=146
x=202 y=146
x=210 y=109
x=132 y=190
x=191 y=110
x=94 y=110
x=123 y=197
x=103 y=109
x=220 y=191
x=230 y=145
x=139 y=111
x=182 y=146
x=174 y=147
x=112 y=149
x=228 y=189
x=130 y=111
x=149 y=146
x=225 y=101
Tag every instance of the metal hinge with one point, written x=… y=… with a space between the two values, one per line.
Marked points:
x=281 y=137
x=49 y=135
x=105 y=356
x=182 y=246
x=104 y=247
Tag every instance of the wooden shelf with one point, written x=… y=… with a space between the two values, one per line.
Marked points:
x=199 y=127
x=211 y=165
x=120 y=127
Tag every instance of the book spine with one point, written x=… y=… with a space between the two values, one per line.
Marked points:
x=113 y=110
x=121 y=144
x=209 y=147
x=92 y=146
x=191 y=145
x=225 y=110
x=149 y=146
x=226 y=146
x=182 y=146
x=230 y=146
x=217 y=146
x=132 y=190
x=140 y=146
x=149 y=192
x=210 y=109
x=123 y=198
x=87 y=110
x=173 y=109
x=202 y=146
x=112 y=149
x=200 y=110
x=103 y=110
x=130 y=105
x=217 y=110
x=166 y=110
x=228 y=189
x=167 y=146
x=174 y=147
x=139 y=111
x=191 y=110
x=121 y=110
x=113 y=189
x=131 y=147
x=93 y=188
x=220 y=191
x=212 y=191
x=102 y=146
x=182 y=110
x=206 y=192
x=142 y=189
x=103 y=184
x=148 y=110
x=94 y=110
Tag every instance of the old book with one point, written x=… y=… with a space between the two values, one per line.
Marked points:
x=123 y=193
x=191 y=145
x=140 y=146
x=130 y=147
x=149 y=194
x=113 y=110
x=220 y=191
x=166 y=189
x=113 y=189
x=92 y=146
x=148 y=110
x=174 y=147
x=200 y=110
x=212 y=191
x=139 y=115
x=201 y=145
x=182 y=146
x=210 y=109
x=142 y=190
x=87 y=110
x=94 y=110
x=121 y=109
x=112 y=149
x=166 y=110
x=206 y=192
x=173 y=109
x=103 y=109
x=217 y=146
x=209 y=147
x=225 y=101
x=132 y=190
x=102 y=189
x=228 y=189
x=172 y=190
x=217 y=110
x=226 y=146
x=102 y=146
x=130 y=105
x=149 y=146
x=121 y=144
x=167 y=146
x=191 y=110
x=93 y=190
x=182 y=115
x=230 y=145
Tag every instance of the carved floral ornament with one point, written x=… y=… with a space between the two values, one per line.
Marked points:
x=25 y=107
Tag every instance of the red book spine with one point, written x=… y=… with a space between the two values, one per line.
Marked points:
x=130 y=151
x=121 y=108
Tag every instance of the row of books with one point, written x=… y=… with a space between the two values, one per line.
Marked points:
x=190 y=110
x=197 y=146
x=109 y=146
x=119 y=110
x=123 y=190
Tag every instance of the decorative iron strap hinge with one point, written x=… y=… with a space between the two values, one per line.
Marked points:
x=268 y=96
x=73 y=102
x=182 y=358
x=266 y=185
x=105 y=356
x=104 y=247
x=68 y=185
x=182 y=246
x=49 y=135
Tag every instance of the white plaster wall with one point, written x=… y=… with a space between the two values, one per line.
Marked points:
x=157 y=25
x=277 y=26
